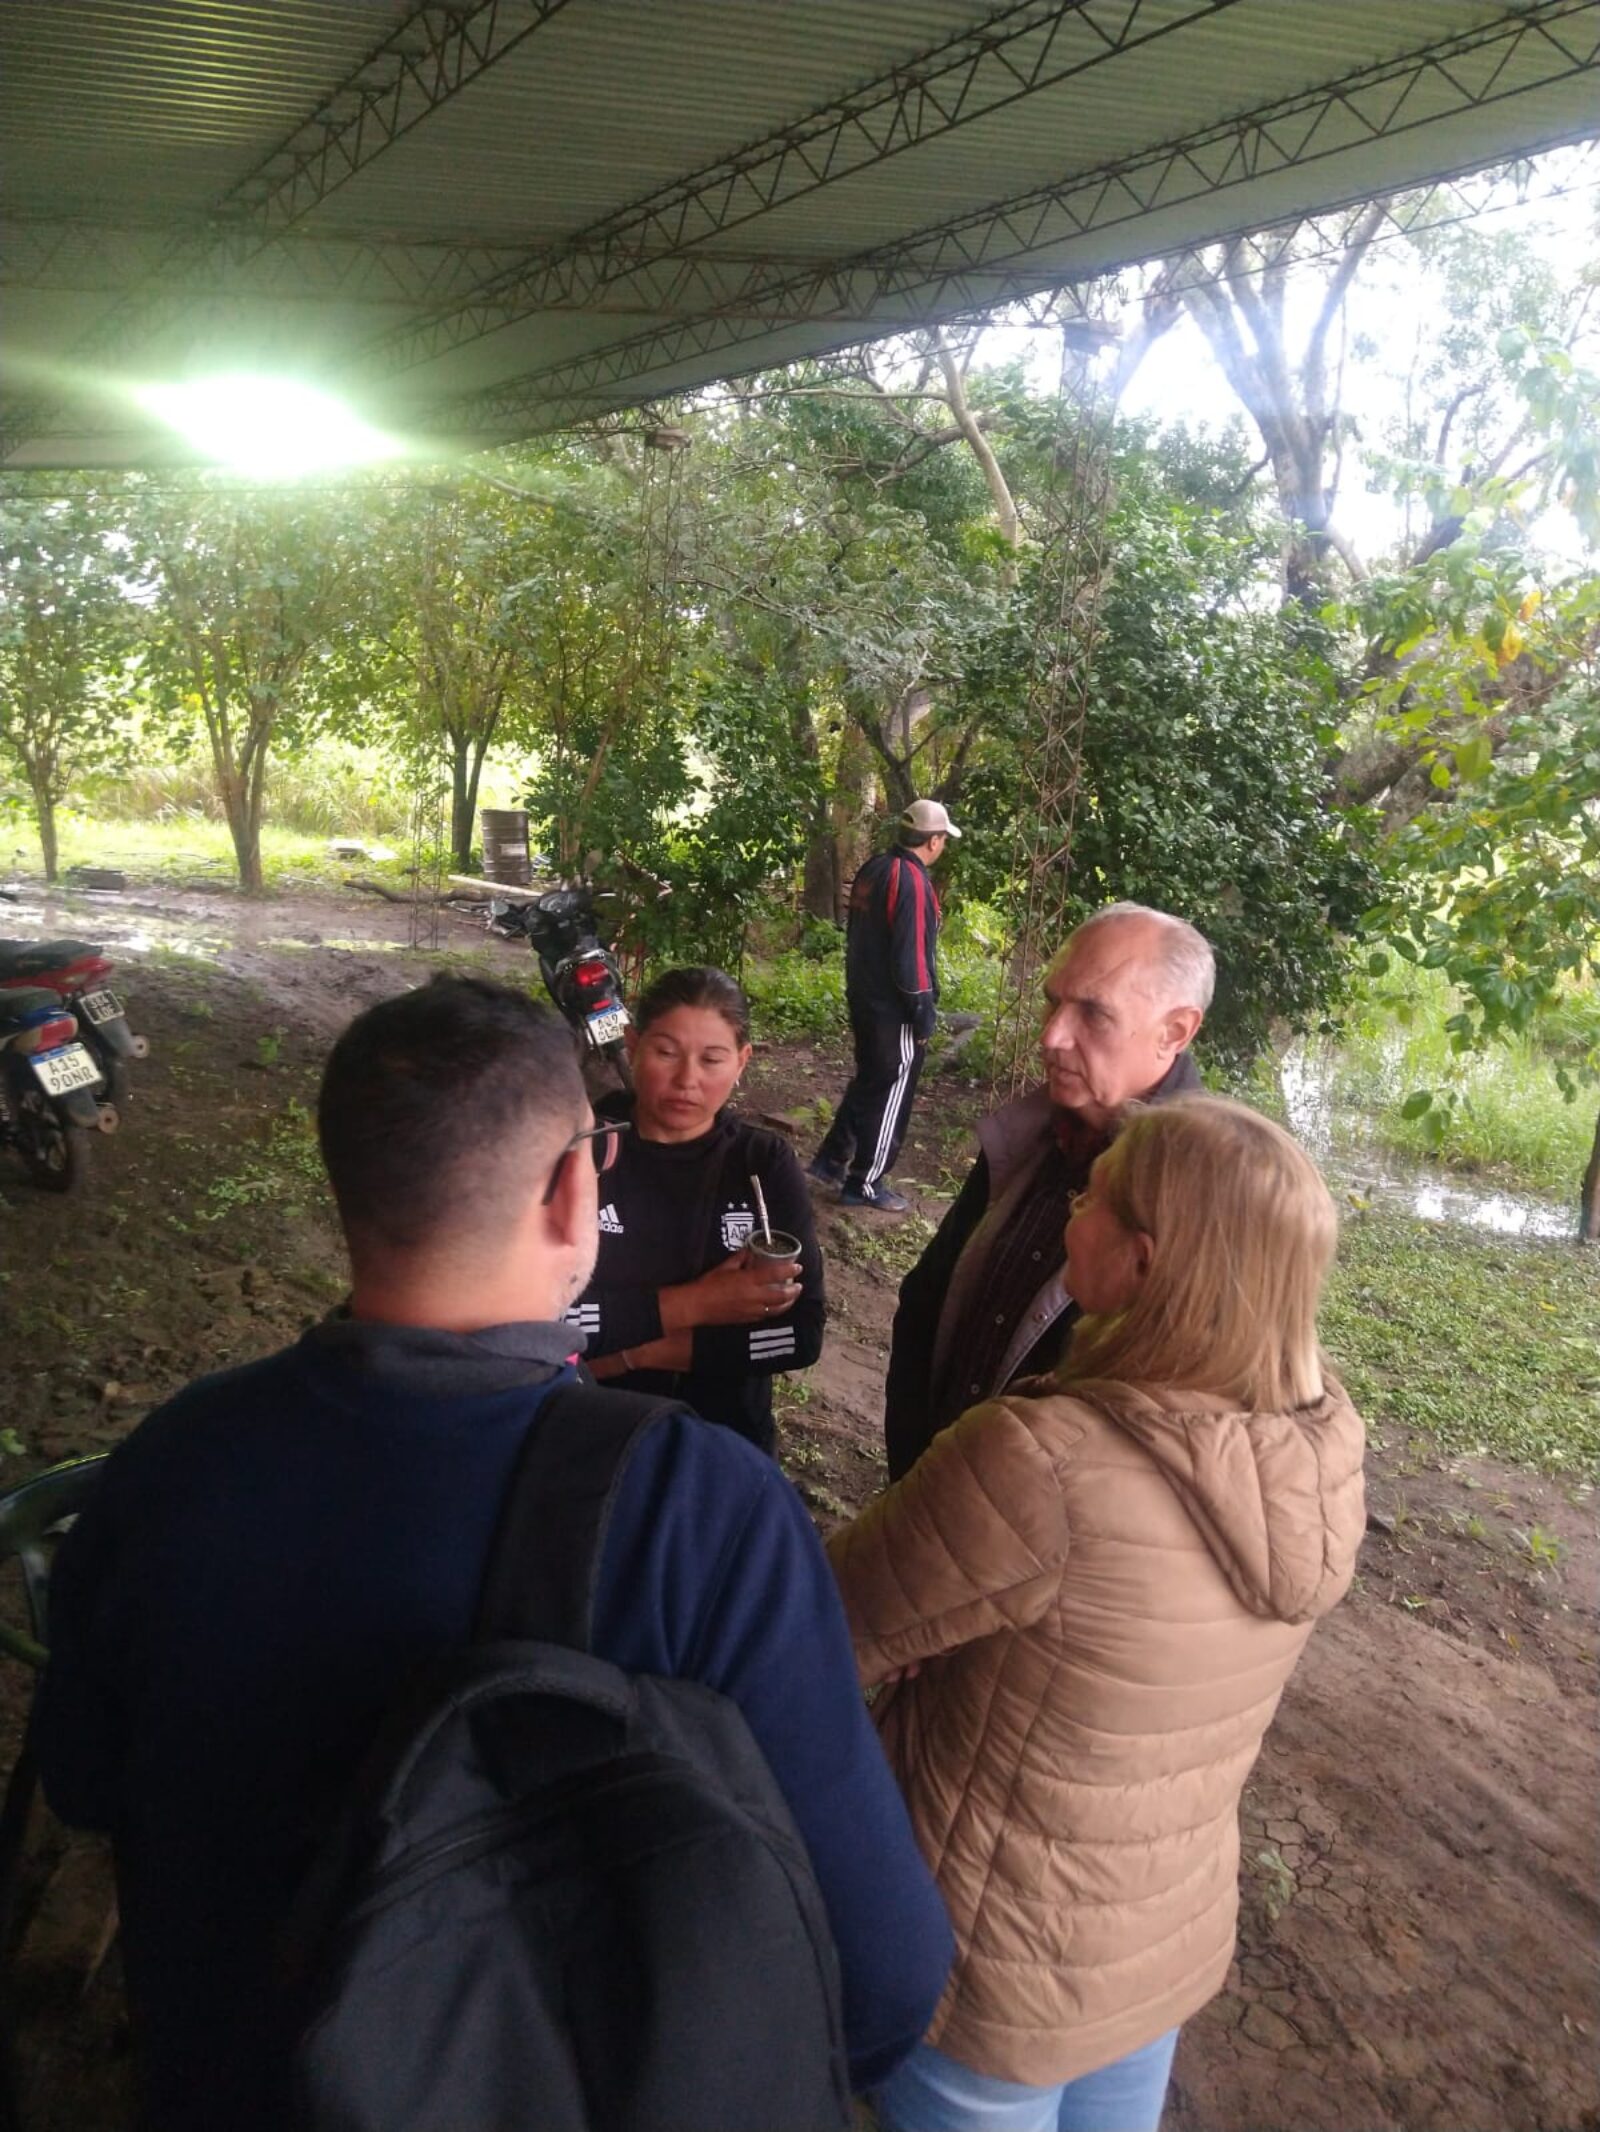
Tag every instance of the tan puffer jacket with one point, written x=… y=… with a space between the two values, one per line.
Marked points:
x=1106 y=1593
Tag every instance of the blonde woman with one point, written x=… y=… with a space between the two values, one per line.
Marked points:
x=1089 y=1599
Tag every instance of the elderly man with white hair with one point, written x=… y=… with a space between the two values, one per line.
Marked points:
x=986 y=1302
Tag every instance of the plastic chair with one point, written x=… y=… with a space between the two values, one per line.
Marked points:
x=32 y=1517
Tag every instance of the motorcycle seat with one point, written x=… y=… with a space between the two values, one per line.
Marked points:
x=18 y=1002
x=32 y=958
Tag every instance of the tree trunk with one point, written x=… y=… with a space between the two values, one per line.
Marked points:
x=1589 y=1200
x=1005 y=507
x=247 y=853
x=244 y=827
x=819 y=892
x=851 y=811
x=468 y=751
x=44 y=807
x=463 y=803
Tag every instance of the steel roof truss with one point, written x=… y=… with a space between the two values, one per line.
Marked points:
x=938 y=271
x=1018 y=52
x=456 y=45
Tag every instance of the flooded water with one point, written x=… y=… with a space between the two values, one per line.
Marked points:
x=1423 y=1193
x=1320 y=1124
x=1305 y=1080
x=180 y=925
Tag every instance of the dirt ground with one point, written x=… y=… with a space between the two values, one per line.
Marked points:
x=1421 y=1894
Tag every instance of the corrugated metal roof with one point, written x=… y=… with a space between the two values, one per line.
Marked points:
x=487 y=218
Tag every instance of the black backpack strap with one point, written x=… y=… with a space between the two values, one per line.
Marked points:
x=539 y=1584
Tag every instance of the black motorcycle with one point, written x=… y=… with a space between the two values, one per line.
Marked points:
x=580 y=974
x=47 y=1088
x=78 y=972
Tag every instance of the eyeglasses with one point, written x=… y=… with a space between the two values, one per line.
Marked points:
x=602 y=1141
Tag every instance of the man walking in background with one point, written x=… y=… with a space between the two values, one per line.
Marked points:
x=892 y=988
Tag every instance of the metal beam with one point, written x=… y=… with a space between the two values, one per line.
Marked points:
x=1306 y=239
x=429 y=59
x=301 y=267
x=41 y=253
x=995 y=256
x=1024 y=47
x=423 y=62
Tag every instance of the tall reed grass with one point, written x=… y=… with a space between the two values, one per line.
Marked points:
x=327 y=789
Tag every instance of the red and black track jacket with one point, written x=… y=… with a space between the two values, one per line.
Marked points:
x=891 y=950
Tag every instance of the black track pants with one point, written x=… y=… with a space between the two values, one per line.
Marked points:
x=871 y=1120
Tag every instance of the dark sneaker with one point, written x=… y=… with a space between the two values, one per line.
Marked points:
x=880 y=1199
x=825 y=1172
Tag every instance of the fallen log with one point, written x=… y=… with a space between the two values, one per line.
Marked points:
x=393 y=895
x=500 y=890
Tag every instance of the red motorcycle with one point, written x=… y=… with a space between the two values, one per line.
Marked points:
x=76 y=971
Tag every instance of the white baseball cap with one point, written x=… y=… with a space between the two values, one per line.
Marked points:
x=928 y=818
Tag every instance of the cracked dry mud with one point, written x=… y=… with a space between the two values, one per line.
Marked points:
x=1420 y=1895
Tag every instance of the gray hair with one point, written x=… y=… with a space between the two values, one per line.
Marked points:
x=1186 y=960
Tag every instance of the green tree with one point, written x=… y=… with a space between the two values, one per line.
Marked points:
x=1498 y=882
x=66 y=633
x=463 y=579
x=864 y=542
x=1204 y=783
x=256 y=628
x=603 y=608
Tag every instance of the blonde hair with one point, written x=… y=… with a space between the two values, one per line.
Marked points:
x=1244 y=1231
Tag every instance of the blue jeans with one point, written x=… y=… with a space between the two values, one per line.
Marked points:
x=933 y=2093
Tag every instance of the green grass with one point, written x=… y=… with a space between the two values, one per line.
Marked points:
x=800 y=991
x=796 y=995
x=323 y=788
x=190 y=848
x=162 y=820
x=1471 y=1343
x=284 y=1169
x=1509 y=1121
x=329 y=788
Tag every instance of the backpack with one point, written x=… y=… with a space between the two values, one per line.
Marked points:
x=563 y=1898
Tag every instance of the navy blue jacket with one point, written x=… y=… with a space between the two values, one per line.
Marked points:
x=270 y=1554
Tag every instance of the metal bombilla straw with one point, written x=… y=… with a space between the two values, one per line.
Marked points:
x=761 y=1209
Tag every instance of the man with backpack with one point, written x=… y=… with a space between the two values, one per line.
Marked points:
x=619 y=1792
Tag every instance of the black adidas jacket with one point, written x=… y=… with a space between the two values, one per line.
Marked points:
x=669 y=1213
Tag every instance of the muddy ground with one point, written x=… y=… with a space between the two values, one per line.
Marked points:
x=1420 y=1888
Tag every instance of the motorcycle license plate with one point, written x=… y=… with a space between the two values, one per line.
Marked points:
x=606 y=1028
x=64 y=1070
x=102 y=1006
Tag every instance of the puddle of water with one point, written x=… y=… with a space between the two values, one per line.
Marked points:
x=133 y=933
x=1506 y=1213
x=145 y=933
x=1306 y=1079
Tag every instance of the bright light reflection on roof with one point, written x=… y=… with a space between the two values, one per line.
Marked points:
x=274 y=428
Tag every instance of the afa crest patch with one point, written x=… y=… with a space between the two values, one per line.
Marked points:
x=738 y=1224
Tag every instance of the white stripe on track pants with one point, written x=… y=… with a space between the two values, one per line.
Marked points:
x=873 y=1112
